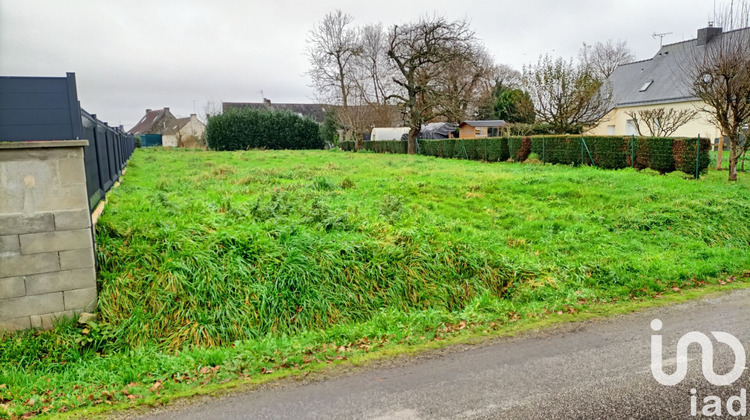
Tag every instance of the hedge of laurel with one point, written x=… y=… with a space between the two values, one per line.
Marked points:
x=245 y=128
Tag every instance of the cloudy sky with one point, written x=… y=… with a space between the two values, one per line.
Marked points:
x=132 y=55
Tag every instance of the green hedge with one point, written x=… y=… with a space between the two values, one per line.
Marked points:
x=607 y=152
x=243 y=128
x=389 y=146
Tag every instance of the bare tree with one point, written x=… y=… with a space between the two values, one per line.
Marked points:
x=332 y=48
x=566 y=95
x=720 y=76
x=421 y=51
x=502 y=77
x=661 y=122
x=465 y=83
x=604 y=58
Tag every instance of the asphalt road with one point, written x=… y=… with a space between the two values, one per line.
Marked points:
x=597 y=369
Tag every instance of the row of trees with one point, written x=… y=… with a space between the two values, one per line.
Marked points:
x=435 y=69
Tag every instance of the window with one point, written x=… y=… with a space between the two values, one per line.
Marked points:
x=646 y=85
x=492 y=132
x=630 y=128
x=477 y=132
x=610 y=130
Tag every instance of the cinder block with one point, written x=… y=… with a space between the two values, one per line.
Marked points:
x=32 y=173
x=14 y=324
x=35 y=243
x=60 y=280
x=81 y=299
x=15 y=224
x=12 y=197
x=66 y=197
x=71 y=171
x=12 y=287
x=9 y=245
x=31 y=305
x=79 y=258
x=20 y=265
x=48 y=321
x=72 y=219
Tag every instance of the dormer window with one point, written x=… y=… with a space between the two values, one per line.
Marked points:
x=646 y=85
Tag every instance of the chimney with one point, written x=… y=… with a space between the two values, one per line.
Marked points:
x=267 y=101
x=706 y=34
x=148 y=110
x=166 y=109
x=193 y=116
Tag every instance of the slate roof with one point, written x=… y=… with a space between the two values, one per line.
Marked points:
x=176 y=125
x=485 y=123
x=316 y=112
x=152 y=122
x=667 y=71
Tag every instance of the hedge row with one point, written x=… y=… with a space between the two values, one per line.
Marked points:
x=660 y=154
x=245 y=128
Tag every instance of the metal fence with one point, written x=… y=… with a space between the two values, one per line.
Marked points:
x=47 y=108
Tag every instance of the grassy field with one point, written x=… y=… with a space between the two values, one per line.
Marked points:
x=216 y=266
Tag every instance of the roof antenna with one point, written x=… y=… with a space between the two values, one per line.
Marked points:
x=661 y=37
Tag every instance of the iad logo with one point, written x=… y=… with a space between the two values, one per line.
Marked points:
x=707 y=360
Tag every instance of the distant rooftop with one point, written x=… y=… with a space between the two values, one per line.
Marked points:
x=665 y=77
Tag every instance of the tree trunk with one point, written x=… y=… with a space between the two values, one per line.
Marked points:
x=734 y=156
x=412 y=146
x=720 y=153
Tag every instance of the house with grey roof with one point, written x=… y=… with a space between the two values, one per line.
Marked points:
x=184 y=132
x=156 y=121
x=663 y=81
x=315 y=112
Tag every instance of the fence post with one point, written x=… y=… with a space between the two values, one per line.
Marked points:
x=697 y=156
x=583 y=144
x=632 y=151
x=544 y=150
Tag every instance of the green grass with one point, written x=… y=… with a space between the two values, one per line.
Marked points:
x=283 y=261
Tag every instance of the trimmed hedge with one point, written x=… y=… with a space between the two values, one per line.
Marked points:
x=244 y=128
x=658 y=153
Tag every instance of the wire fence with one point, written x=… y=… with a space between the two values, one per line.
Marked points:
x=662 y=154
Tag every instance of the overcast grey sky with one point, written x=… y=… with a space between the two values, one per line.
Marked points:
x=132 y=55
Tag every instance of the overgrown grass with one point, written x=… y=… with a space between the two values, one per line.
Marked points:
x=258 y=261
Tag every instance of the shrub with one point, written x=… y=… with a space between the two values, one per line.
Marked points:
x=608 y=152
x=242 y=129
x=659 y=152
x=684 y=153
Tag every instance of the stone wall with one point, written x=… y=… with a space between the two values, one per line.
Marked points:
x=47 y=267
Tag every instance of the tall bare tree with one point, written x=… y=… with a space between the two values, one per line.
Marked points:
x=566 y=95
x=464 y=83
x=720 y=75
x=333 y=46
x=422 y=51
x=604 y=58
x=661 y=122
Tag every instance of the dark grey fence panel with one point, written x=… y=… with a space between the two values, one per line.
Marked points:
x=47 y=108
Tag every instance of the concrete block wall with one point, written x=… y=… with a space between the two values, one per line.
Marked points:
x=47 y=267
